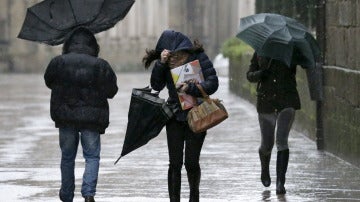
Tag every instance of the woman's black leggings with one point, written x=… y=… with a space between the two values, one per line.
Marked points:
x=268 y=122
x=178 y=136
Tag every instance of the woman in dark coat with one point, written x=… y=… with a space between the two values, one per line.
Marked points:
x=80 y=84
x=174 y=49
x=277 y=100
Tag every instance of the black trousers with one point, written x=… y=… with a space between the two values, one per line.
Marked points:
x=179 y=136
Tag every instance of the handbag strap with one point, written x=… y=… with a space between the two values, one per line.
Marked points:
x=203 y=93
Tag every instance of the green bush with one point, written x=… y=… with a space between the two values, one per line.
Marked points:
x=234 y=48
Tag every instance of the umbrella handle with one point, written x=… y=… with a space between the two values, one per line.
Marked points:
x=269 y=64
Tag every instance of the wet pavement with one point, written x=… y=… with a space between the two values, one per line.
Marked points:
x=30 y=155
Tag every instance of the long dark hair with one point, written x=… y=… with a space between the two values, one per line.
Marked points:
x=152 y=55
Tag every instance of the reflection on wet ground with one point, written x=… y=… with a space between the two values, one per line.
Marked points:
x=29 y=154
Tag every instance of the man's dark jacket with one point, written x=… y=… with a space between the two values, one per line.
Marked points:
x=80 y=84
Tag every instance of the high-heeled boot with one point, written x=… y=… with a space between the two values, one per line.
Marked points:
x=174 y=184
x=281 y=168
x=194 y=183
x=265 y=174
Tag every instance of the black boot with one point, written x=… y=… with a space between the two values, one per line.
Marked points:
x=174 y=184
x=265 y=175
x=89 y=199
x=194 y=183
x=281 y=168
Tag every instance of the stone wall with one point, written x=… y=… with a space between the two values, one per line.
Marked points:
x=342 y=113
x=343 y=31
x=342 y=80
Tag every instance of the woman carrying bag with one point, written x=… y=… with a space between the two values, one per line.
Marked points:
x=174 y=49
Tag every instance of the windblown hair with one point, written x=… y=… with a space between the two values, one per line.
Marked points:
x=198 y=47
x=152 y=55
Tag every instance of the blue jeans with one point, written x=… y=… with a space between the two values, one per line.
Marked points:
x=69 y=141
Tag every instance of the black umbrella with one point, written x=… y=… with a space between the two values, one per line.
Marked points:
x=49 y=21
x=283 y=38
x=279 y=37
x=148 y=114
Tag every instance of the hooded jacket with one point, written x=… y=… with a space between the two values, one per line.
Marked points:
x=80 y=84
x=161 y=76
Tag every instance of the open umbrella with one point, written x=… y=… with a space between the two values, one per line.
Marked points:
x=283 y=38
x=50 y=20
x=279 y=37
x=148 y=114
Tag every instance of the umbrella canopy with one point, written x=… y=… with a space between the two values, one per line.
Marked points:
x=147 y=116
x=279 y=37
x=50 y=20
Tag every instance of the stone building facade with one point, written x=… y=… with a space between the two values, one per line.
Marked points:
x=120 y=45
x=125 y=44
x=20 y=55
x=5 y=63
x=210 y=21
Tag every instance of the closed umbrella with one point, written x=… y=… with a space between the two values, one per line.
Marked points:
x=148 y=114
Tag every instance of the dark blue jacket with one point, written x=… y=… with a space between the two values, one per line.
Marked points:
x=161 y=76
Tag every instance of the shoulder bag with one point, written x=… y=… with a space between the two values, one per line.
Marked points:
x=208 y=114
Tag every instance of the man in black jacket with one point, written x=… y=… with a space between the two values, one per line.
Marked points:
x=80 y=84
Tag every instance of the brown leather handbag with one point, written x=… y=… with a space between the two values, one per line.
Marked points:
x=208 y=114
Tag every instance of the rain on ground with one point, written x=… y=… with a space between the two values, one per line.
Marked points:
x=30 y=155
